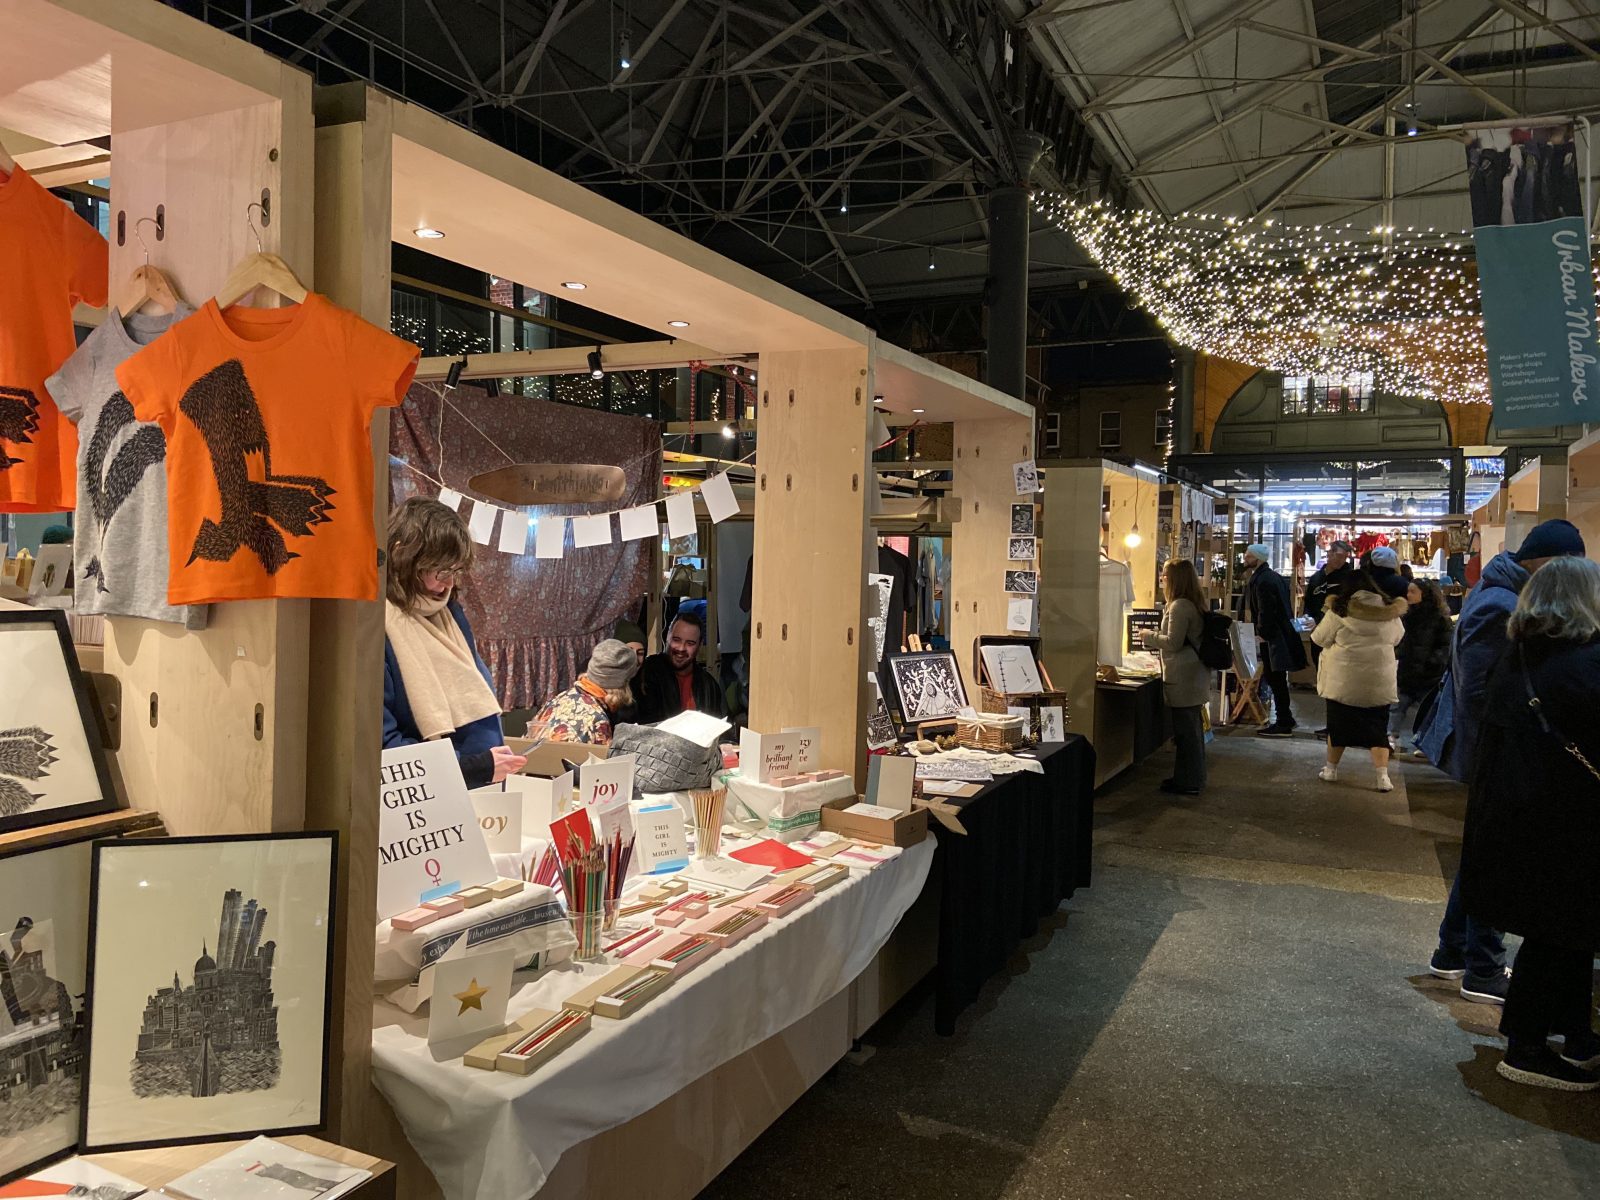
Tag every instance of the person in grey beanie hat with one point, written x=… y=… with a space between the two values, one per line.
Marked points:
x=585 y=712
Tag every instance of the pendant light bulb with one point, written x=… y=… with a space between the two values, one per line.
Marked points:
x=1133 y=538
x=625 y=52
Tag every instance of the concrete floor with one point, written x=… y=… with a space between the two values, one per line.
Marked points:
x=1238 y=1007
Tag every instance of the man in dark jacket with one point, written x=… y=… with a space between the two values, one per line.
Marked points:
x=1325 y=583
x=673 y=681
x=1265 y=601
x=1468 y=951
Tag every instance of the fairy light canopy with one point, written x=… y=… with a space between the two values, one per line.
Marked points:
x=1400 y=304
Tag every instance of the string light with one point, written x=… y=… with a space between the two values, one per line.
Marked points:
x=1318 y=300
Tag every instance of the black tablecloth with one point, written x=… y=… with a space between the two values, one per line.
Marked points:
x=1027 y=848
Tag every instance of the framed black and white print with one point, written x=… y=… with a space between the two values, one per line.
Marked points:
x=1022 y=520
x=209 y=967
x=52 y=766
x=44 y=941
x=1021 y=549
x=1022 y=583
x=928 y=686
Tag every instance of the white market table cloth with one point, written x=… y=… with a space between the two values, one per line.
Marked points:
x=490 y=1135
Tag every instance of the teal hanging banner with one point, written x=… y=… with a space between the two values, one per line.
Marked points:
x=1534 y=276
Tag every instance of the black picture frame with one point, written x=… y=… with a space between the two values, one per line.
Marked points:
x=138 y=845
x=8 y=857
x=898 y=666
x=11 y=620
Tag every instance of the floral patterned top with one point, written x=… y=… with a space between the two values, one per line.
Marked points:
x=575 y=715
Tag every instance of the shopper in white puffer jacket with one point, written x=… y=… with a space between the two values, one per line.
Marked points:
x=1356 y=673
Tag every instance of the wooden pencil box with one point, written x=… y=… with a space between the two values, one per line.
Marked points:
x=483 y=1056
x=644 y=988
x=744 y=921
x=618 y=977
x=529 y=1062
x=825 y=879
x=681 y=966
x=781 y=900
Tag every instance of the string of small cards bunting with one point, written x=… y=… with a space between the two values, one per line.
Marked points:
x=549 y=534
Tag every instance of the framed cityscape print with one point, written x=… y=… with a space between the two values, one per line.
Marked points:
x=52 y=766
x=44 y=939
x=209 y=968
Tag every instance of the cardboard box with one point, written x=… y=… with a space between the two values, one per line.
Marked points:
x=905 y=829
x=545 y=759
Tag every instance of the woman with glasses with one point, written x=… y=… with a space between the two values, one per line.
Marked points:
x=434 y=684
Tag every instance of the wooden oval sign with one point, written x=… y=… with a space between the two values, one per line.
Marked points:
x=553 y=483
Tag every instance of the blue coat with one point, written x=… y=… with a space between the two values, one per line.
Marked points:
x=1480 y=640
x=474 y=743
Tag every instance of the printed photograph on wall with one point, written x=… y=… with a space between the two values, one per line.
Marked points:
x=44 y=934
x=1022 y=583
x=209 y=962
x=52 y=767
x=1022 y=520
x=1021 y=549
x=928 y=685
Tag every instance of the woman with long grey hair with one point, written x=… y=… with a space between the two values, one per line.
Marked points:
x=1531 y=859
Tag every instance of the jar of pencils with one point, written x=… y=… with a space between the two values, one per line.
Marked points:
x=709 y=805
x=583 y=879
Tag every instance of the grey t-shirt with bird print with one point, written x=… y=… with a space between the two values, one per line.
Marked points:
x=119 y=545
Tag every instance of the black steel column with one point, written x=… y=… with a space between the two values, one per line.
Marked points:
x=1007 y=365
x=1183 y=401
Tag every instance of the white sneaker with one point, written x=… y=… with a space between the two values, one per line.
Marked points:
x=1385 y=784
x=1329 y=773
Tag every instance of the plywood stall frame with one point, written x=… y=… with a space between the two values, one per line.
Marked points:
x=1134 y=506
x=1069 y=586
x=1583 y=488
x=986 y=453
x=1538 y=492
x=202 y=124
x=808 y=652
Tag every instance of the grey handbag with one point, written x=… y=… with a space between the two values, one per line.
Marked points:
x=666 y=762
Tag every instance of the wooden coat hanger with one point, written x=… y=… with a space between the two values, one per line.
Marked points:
x=147 y=285
x=259 y=270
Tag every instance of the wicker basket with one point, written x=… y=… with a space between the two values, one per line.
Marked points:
x=992 y=735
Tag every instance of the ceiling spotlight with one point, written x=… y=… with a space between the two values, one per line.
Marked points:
x=678 y=324
x=625 y=52
x=930 y=258
x=596 y=370
x=727 y=431
x=877 y=399
x=1411 y=506
x=427 y=231
x=572 y=285
x=453 y=376
x=1411 y=129
x=491 y=386
x=919 y=410
x=844 y=198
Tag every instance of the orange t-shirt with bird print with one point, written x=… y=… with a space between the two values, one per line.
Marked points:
x=51 y=258
x=267 y=414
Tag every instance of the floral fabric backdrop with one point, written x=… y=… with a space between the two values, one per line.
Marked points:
x=535 y=620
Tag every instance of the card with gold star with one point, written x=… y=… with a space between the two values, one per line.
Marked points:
x=469 y=1001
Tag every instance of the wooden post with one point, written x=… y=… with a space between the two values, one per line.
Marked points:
x=354 y=142
x=1069 y=587
x=983 y=480
x=809 y=644
x=215 y=726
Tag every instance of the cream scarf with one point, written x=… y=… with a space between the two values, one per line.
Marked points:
x=442 y=681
